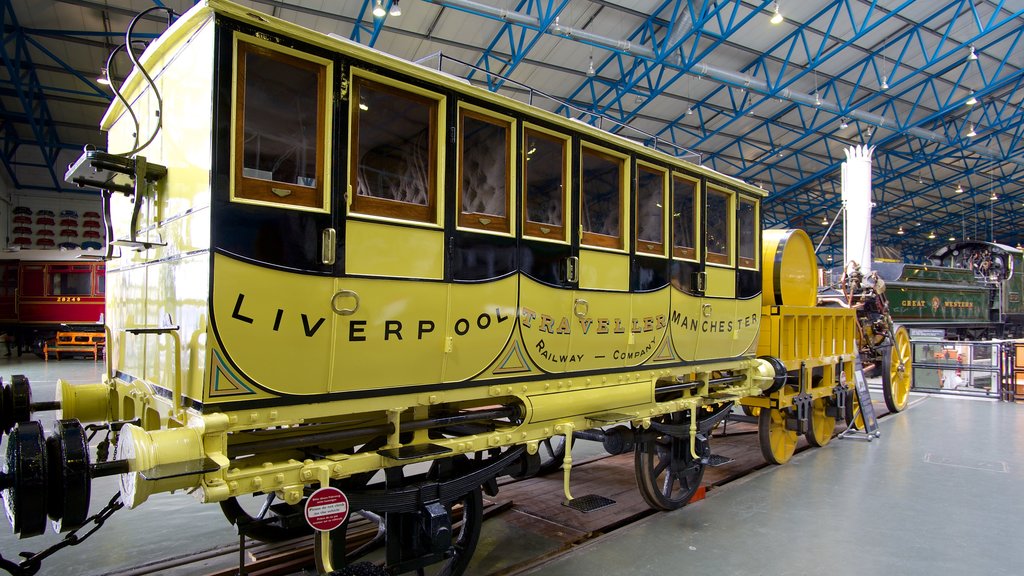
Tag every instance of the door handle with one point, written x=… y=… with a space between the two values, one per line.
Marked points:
x=581 y=308
x=329 y=247
x=572 y=269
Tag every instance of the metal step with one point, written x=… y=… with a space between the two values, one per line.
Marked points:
x=588 y=503
x=717 y=460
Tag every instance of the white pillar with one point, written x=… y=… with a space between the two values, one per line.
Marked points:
x=857 y=200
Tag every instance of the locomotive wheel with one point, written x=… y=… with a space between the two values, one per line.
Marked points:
x=820 y=424
x=552 y=453
x=25 y=466
x=67 y=456
x=777 y=443
x=896 y=371
x=666 y=473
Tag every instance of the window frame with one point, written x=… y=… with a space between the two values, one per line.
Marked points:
x=465 y=220
x=595 y=239
x=535 y=230
x=57 y=271
x=371 y=207
x=648 y=247
x=678 y=252
x=249 y=190
x=715 y=258
x=743 y=262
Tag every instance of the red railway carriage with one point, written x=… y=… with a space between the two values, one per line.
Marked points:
x=43 y=290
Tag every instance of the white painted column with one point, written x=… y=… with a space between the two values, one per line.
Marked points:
x=857 y=200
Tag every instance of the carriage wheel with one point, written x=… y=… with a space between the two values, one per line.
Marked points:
x=777 y=442
x=896 y=371
x=820 y=424
x=466 y=533
x=666 y=472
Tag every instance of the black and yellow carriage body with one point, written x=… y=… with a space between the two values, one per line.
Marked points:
x=353 y=263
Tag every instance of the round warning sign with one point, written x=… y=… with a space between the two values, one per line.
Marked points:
x=326 y=509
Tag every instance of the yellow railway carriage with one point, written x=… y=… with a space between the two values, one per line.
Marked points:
x=328 y=262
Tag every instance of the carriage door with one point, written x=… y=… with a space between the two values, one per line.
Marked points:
x=717 y=283
x=482 y=303
x=548 y=268
x=685 y=272
x=273 y=201
x=748 y=276
x=603 y=328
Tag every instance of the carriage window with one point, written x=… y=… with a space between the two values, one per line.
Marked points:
x=747 y=222
x=602 y=199
x=650 y=211
x=70 y=281
x=684 y=217
x=484 y=161
x=394 y=141
x=544 y=168
x=279 y=127
x=719 y=227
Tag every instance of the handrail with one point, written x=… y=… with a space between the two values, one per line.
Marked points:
x=680 y=152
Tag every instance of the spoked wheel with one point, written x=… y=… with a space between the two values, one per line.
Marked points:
x=552 y=453
x=466 y=517
x=820 y=425
x=666 y=472
x=777 y=442
x=896 y=371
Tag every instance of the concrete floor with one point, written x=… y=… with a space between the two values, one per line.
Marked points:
x=937 y=494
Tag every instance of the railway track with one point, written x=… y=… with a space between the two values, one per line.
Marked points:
x=529 y=510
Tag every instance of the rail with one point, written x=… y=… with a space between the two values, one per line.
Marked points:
x=648 y=139
x=965 y=368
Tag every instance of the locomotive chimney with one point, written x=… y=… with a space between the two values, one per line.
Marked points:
x=857 y=200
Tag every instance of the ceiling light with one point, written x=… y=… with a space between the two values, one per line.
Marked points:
x=885 y=83
x=590 y=69
x=900 y=231
x=362 y=103
x=817 y=99
x=971 y=101
x=973 y=55
x=931 y=236
x=972 y=133
x=378 y=10
x=777 y=16
x=103 y=79
x=395 y=10
x=994 y=197
x=959 y=189
x=824 y=220
x=843 y=123
x=952 y=239
x=689 y=111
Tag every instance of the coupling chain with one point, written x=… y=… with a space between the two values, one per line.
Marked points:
x=32 y=561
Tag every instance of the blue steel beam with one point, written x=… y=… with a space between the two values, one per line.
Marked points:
x=14 y=52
